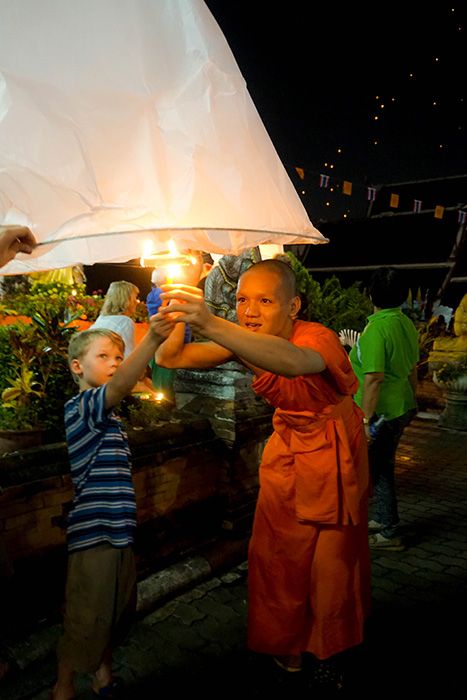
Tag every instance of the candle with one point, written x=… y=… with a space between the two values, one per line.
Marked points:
x=170 y=260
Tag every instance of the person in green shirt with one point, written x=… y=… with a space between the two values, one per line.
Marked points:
x=384 y=360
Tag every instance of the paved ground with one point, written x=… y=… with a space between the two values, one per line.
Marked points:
x=196 y=642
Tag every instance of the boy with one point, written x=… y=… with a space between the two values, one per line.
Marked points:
x=100 y=597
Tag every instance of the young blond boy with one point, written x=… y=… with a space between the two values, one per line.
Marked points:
x=100 y=598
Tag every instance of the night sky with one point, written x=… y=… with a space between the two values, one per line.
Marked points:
x=363 y=92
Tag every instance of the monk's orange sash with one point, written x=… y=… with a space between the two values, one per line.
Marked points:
x=329 y=458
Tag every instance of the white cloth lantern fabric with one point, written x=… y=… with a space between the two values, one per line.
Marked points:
x=127 y=121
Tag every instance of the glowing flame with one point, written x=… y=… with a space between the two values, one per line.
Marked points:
x=171 y=260
x=173 y=271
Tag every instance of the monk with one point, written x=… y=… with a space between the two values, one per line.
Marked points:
x=309 y=574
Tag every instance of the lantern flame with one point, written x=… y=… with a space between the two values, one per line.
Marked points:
x=172 y=260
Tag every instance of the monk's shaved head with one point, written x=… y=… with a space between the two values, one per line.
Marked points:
x=282 y=270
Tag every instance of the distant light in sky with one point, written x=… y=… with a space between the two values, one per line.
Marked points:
x=370 y=148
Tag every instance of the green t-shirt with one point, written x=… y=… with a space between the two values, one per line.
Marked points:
x=388 y=344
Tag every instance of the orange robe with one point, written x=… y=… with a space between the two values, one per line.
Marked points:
x=309 y=564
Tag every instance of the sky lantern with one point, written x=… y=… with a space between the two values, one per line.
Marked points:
x=128 y=122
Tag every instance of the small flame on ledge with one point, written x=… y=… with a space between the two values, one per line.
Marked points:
x=158 y=396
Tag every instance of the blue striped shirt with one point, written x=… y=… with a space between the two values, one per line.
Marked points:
x=104 y=504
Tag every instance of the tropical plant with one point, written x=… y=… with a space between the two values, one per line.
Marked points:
x=331 y=304
x=35 y=380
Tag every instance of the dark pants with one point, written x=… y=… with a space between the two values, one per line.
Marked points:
x=382 y=456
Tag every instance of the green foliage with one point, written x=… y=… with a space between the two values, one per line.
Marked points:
x=64 y=300
x=35 y=379
x=331 y=304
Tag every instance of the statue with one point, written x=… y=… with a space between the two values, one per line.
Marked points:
x=448 y=360
x=221 y=282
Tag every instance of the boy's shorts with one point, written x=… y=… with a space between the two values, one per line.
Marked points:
x=100 y=604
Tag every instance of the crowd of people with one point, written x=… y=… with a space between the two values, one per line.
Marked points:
x=336 y=426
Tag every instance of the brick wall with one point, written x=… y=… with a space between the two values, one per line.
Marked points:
x=180 y=470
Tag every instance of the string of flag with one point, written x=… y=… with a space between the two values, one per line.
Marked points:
x=394 y=199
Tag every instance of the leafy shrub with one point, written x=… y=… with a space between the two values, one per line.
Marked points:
x=331 y=304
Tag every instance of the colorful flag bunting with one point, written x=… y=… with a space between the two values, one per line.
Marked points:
x=417 y=206
x=324 y=181
x=371 y=196
x=301 y=173
x=439 y=211
x=461 y=216
x=394 y=201
x=347 y=187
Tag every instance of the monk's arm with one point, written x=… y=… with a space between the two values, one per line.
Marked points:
x=266 y=352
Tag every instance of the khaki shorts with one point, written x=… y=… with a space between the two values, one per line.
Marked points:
x=100 y=604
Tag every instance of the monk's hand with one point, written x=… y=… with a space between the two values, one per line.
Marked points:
x=13 y=240
x=186 y=304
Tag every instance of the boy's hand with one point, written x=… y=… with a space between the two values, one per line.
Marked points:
x=186 y=304
x=161 y=325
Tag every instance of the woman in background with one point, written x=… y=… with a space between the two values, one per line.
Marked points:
x=119 y=306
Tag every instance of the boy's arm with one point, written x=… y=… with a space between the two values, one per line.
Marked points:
x=266 y=352
x=128 y=373
x=176 y=354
